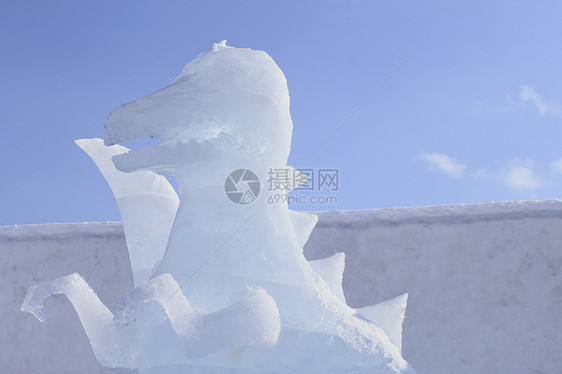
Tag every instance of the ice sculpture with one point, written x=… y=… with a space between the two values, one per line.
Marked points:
x=147 y=204
x=233 y=292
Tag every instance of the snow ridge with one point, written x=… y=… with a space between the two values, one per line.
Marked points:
x=58 y=231
x=442 y=214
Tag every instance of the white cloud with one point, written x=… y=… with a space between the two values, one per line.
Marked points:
x=556 y=166
x=483 y=174
x=521 y=177
x=442 y=163
x=528 y=94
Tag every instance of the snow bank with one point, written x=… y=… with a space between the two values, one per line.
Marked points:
x=37 y=253
x=484 y=283
x=484 y=280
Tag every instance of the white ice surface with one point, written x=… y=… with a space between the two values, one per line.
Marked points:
x=389 y=316
x=147 y=203
x=227 y=111
x=205 y=104
x=331 y=270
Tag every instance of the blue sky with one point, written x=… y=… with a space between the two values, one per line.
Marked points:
x=474 y=116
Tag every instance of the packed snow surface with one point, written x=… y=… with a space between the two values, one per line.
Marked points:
x=484 y=280
x=484 y=284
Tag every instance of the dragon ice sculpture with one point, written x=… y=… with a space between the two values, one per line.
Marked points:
x=219 y=287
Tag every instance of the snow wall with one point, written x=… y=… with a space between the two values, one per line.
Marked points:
x=484 y=284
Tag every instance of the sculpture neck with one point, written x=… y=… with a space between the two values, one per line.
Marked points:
x=217 y=185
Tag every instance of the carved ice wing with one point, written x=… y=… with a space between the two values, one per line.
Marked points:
x=389 y=316
x=147 y=203
x=331 y=270
x=303 y=224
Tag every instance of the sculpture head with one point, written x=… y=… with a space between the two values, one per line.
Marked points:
x=227 y=103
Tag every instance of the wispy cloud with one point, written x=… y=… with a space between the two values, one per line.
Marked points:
x=484 y=174
x=556 y=166
x=528 y=94
x=440 y=162
x=521 y=177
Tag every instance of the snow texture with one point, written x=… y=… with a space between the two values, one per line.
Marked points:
x=233 y=292
x=484 y=280
x=38 y=253
x=484 y=284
